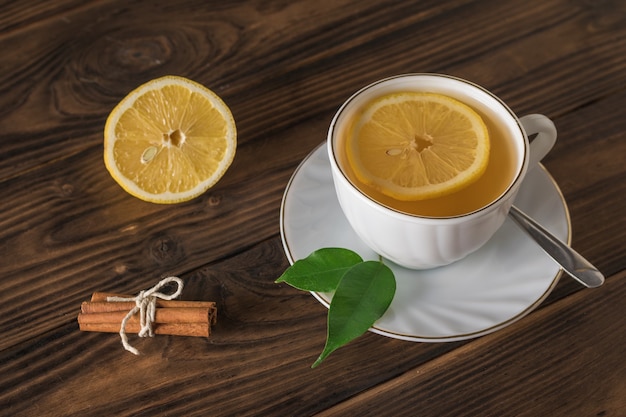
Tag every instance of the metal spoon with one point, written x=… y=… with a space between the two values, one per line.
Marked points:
x=571 y=261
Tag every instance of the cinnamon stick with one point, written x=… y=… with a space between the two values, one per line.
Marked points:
x=162 y=315
x=99 y=304
x=183 y=312
x=102 y=297
x=175 y=329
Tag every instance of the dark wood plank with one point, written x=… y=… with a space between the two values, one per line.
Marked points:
x=85 y=86
x=66 y=228
x=238 y=367
x=517 y=372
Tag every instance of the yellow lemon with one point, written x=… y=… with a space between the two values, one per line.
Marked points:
x=169 y=140
x=416 y=146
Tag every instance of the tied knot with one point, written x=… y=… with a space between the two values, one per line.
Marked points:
x=145 y=304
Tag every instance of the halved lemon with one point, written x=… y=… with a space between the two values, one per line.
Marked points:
x=169 y=140
x=416 y=146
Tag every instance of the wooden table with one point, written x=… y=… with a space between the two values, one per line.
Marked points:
x=284 y=67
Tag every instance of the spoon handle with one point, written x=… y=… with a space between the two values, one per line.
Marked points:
x=571 y=261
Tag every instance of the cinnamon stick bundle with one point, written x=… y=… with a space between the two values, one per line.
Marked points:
x=172 y=317
x=172 y=329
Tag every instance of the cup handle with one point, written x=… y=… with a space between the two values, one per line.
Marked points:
x=540 y=125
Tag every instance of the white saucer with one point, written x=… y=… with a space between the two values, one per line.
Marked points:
x=490 y=289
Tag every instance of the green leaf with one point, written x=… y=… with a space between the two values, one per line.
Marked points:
x=362 y=297
x=320 y=271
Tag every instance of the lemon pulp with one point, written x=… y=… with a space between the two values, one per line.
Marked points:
x=416 y=146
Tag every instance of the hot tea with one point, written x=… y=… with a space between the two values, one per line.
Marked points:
x=498 y=175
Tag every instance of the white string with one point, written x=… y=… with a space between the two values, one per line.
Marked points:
x=145 y=304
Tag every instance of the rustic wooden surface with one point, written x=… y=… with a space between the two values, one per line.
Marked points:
x=67 y=229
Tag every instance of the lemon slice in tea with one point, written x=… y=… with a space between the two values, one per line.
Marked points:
x=169 y=140
x=417 y=146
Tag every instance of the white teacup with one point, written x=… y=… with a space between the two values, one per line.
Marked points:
x=417 y=241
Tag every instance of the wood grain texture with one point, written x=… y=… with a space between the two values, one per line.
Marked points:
x=284 y=67
x=524 y=384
